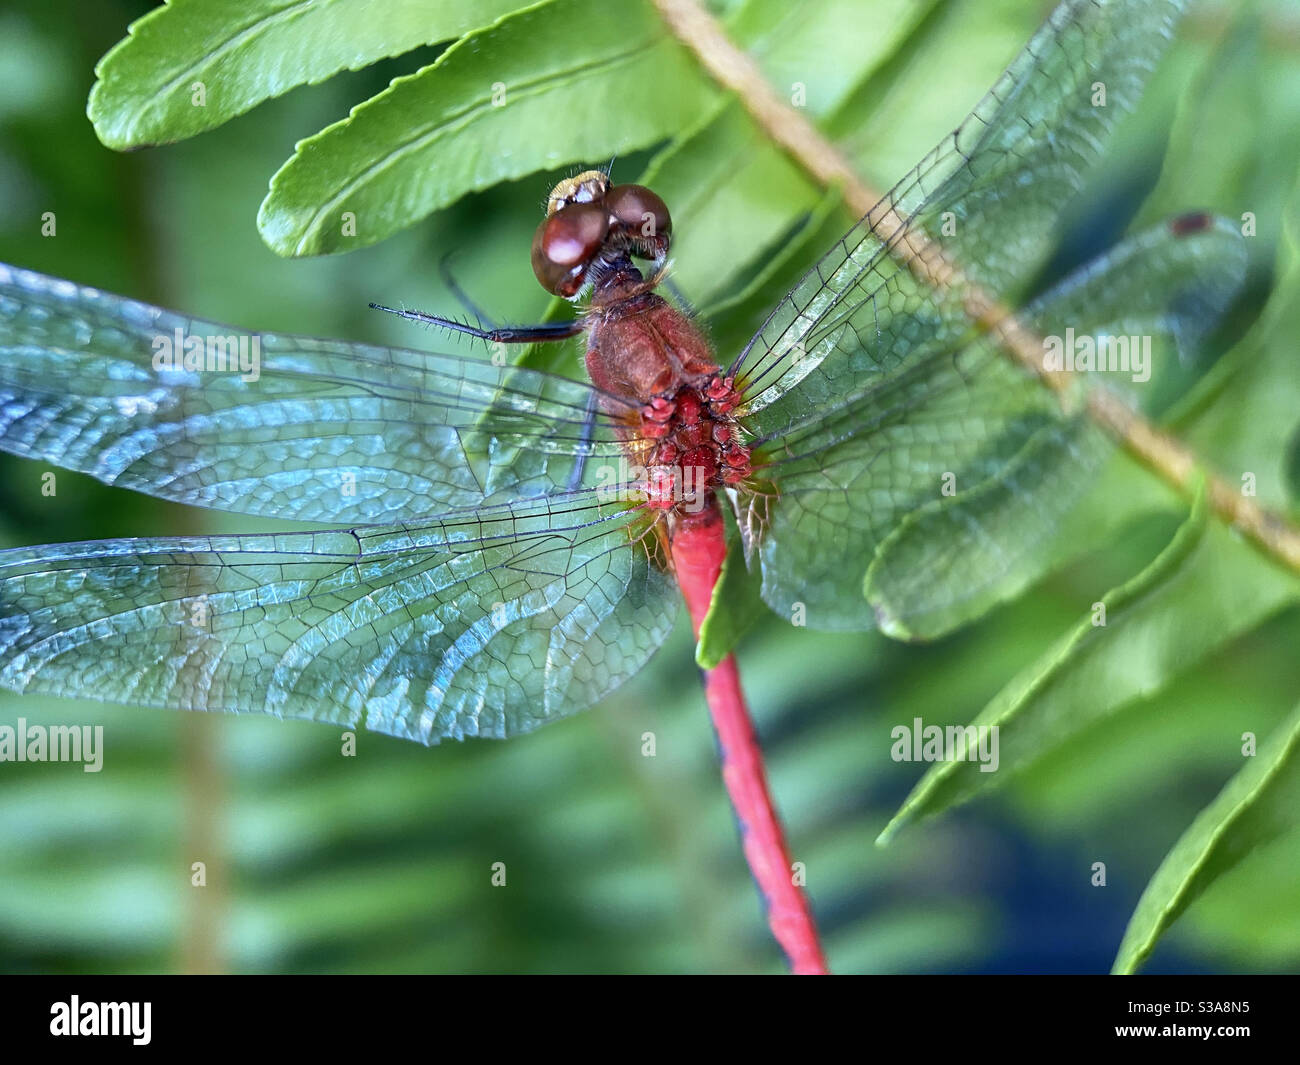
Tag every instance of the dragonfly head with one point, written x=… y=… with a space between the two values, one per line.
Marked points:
x=592 y=226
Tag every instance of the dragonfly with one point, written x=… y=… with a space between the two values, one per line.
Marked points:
x=486 y=548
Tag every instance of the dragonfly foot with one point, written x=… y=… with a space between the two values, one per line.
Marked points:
x=721 y=393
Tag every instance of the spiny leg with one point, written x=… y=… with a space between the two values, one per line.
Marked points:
x=511 y=334
x=588 y=430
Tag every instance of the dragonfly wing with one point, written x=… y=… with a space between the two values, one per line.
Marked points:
x=291 y=427
x=987 y=197
x=480 y=623
x=951 y=472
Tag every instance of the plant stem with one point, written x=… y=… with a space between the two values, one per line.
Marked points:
x=699 y=546
x=201 y=939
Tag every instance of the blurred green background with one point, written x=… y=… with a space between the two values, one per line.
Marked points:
x=618 y=862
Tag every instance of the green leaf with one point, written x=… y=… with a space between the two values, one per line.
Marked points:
x=944 y=65
x=736 y=605
x=1258 y=376
x=737 y=314
x=563 y=82
x=1244 y=412
x=1259 y=804
x=1202 y=590
x=243 y=54
x=733 y=195
x=1246 y=95
x=956 y=557
x=805 y=52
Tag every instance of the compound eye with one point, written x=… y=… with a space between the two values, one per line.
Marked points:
x=565 y=244
x=641 y=213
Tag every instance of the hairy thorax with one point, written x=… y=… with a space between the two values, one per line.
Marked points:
x=644 y=352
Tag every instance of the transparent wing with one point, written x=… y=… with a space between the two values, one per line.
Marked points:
x=954 y=470
x=986 y=198
x=291 y=427
x=480 y=623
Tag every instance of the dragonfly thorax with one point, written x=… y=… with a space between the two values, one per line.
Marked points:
x=661 y=382
x=694 y=445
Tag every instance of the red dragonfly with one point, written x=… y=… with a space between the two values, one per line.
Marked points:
x=496 y=547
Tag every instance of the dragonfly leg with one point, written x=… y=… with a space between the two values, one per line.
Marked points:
x=462 y=297
x=510 y=334
x=588 y=430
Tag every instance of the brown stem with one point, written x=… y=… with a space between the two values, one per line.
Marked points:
x=200 y=950
x=1158 y=450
